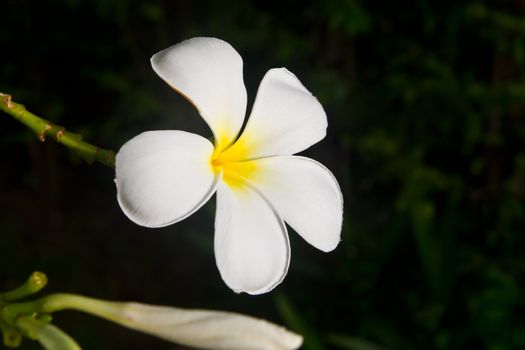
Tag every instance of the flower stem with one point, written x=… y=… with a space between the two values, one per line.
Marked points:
x=109 y=310
x=49 y=336
x=34 y=284
x=62 y=301
x=43 y=128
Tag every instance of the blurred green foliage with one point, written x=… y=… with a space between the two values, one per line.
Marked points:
x=426 y=103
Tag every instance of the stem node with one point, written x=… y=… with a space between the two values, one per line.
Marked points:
x=6 y=99
x=43 y=128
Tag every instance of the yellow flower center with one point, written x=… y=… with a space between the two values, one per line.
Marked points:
x=233 y=162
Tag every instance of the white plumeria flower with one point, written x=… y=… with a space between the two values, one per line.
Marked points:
x=164 y=176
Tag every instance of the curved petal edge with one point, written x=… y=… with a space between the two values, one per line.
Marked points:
x=252 y=249
x=164 y=176
x=305 y=193
x=286 y=119
x=207 y=72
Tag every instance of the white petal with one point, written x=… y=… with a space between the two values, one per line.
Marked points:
x=252 y=250
x=208 y=72
x=305 y=194
x=164 y=176
x=286 y=119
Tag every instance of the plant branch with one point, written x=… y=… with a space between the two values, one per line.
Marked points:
x=43 y=128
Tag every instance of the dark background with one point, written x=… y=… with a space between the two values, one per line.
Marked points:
x=425 y=102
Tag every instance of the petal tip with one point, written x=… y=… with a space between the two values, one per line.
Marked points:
x=294 y=341
x=330 y=247
x=257 y=290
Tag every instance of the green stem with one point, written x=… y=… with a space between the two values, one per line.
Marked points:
x=61 y=301
x=101 y=308
x=43 y=128
x=34 y=284
x=51 y=337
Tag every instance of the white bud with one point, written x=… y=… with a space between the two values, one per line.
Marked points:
x=207 y=329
